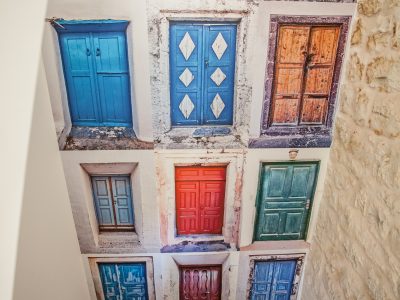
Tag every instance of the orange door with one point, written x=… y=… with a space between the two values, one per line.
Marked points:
x=305 y=61
x=200 y=196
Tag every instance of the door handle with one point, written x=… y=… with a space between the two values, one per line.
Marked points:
x=97 y=51
x=87 y=51
x=206 y=63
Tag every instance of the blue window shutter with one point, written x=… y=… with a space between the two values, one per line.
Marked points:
x=273 y=280
x=186 y=72
x=112 y=69
x=77 y=52
x=123 y=200
x=220 y=48
x=103 y=201
x=133 y=282
x=109 y=280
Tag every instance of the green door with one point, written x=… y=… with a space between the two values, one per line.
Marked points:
x=284 y=201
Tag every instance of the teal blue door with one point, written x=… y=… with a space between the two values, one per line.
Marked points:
x=202 y=68
x=284 y=201
x=124 y=281
x=273 y=280
x=96 y=71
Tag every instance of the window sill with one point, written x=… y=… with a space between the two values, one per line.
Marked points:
x=291 y=141
x=104 y=138
x=118 y=240
x=204 y=246
x=295 y=245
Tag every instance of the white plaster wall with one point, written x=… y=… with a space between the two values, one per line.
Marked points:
x=259 y=31
x=251 y=171
x=166 y=160
x=133 y=11
x=31 y=174
x=143 y=194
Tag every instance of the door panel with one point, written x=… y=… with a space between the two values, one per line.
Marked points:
x=200 y=196
x=285 y=199
x=103 y=201
x=113 y=78
x=212 y=197
x=123 y=200
x=200 y=282
x=186 y=57
x=220 y=47
x=77 y=52
x=187 y=207
x=273 y=280
x=289 y=72
x=109 y=280
x=124 y=281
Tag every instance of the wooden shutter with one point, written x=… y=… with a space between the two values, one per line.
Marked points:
x=77 y=53
x=202 y=68
x=285 y=201
x=186 y=43
x=103 y=201
x=305 y=61
x=318 y=82
x=273 y=280
x=219 y=53
x=289 y=72
x=123 y=200
x=200 y=282
x=113 y=78
x=200 y=196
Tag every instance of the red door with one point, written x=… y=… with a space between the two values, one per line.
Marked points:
x=200 y=282
x=200 y=195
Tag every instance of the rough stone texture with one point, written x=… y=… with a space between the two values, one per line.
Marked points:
x=355 y=251
x=104 y=138
x=196 y=247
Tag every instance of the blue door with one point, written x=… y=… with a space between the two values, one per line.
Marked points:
x=113 y=202
x=202 y=65
x=97 y=75
x=124 y=281
x=273 y=280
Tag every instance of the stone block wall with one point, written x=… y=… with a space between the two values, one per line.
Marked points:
x=355 y=251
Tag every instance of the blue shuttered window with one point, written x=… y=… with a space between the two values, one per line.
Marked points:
x=113 y=202
x=124 y=281
x=273 y=280
x=202 y=65
x=97 y=74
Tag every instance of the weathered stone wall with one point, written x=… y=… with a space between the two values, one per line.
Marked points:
x=355 y=251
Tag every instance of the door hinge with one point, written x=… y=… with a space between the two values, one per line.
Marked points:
x=308 y=204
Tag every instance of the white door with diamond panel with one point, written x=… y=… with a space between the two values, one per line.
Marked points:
x=202 y=63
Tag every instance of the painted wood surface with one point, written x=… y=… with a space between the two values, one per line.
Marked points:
x=202 y=70
x=200 y=196
x=200 y=282
x=113 y=202
x=97 y=77
x=273 y=280
x=305 y=62
x=124 y=281
x=285 y=200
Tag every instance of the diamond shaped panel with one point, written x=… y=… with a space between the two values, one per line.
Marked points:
x=186 y=106
x=186 y=46
x=219 y=46
x=217 y=105
x=186 y=77
x=218 y=76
